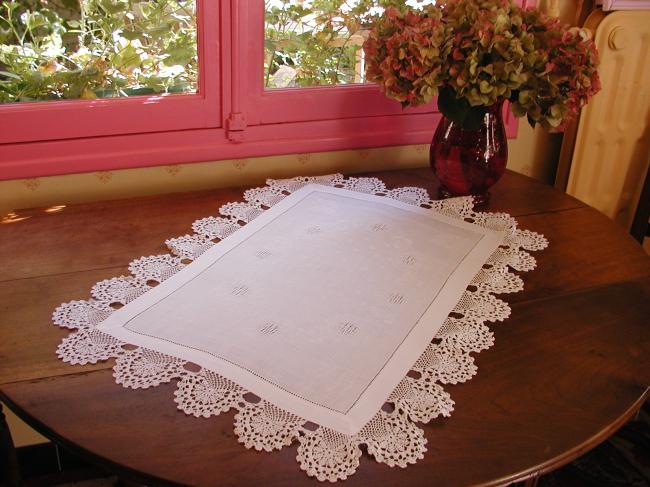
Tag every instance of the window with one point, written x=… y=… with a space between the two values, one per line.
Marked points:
x=211 y=92
x=358 y=109
x=312 y=43
x=95 y=49
x=106 y=67
x=308 y=44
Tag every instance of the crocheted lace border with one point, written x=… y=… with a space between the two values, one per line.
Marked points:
x=391 y=436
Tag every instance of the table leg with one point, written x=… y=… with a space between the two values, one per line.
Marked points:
x=9 y=471
x=532 y=482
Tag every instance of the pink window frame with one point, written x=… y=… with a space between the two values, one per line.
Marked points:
x=231 y=116
x=303 y=104
x=38 y=121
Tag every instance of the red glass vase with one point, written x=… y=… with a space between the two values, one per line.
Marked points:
x=470 y=161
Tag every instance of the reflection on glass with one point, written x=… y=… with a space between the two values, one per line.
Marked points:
x=319 y=42
x=71 y=49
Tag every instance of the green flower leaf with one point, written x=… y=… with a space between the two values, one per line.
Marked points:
x=10 y=75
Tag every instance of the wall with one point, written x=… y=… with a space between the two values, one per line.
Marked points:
x=21 y=434
x=533 y=153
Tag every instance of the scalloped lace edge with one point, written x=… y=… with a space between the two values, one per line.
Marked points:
x=391 y=436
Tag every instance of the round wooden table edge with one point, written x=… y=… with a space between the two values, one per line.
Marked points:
x=85 y=454
x=533 y=473
x=530 y=475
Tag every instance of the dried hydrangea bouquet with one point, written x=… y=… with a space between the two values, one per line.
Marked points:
x=475 y=55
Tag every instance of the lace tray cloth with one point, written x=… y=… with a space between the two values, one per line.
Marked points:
x=391 y=436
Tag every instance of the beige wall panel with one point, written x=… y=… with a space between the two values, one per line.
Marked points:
x=22 y=434
x=533 y=153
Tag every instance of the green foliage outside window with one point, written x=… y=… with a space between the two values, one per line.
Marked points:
x=70 y=49
x=318 y=42
x=313 y=42
x=67 y=49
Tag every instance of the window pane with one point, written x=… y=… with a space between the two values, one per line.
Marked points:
x=319 y=42
x=312 y=42
x=71 y=49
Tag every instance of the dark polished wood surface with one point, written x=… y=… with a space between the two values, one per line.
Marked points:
x=569 y=366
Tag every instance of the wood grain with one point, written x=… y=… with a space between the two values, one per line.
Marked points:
x=569 y=365
x=514 y=194
x=29 y=339
x=111 y=234
x=560 y=371
x=585 y=249
x=101 y=235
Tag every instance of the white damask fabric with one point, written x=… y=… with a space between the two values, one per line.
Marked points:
x=344 y=306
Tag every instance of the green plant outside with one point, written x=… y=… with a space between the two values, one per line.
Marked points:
x=318 y=42
x=66 y=49
x=71 y=49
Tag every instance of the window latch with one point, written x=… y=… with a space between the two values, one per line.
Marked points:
x=235 y=125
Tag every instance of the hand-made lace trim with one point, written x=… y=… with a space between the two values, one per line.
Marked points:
x=391 y=437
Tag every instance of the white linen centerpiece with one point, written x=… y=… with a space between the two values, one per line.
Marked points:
x=320 y=306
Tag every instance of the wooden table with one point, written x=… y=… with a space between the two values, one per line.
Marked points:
x=569 y=367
